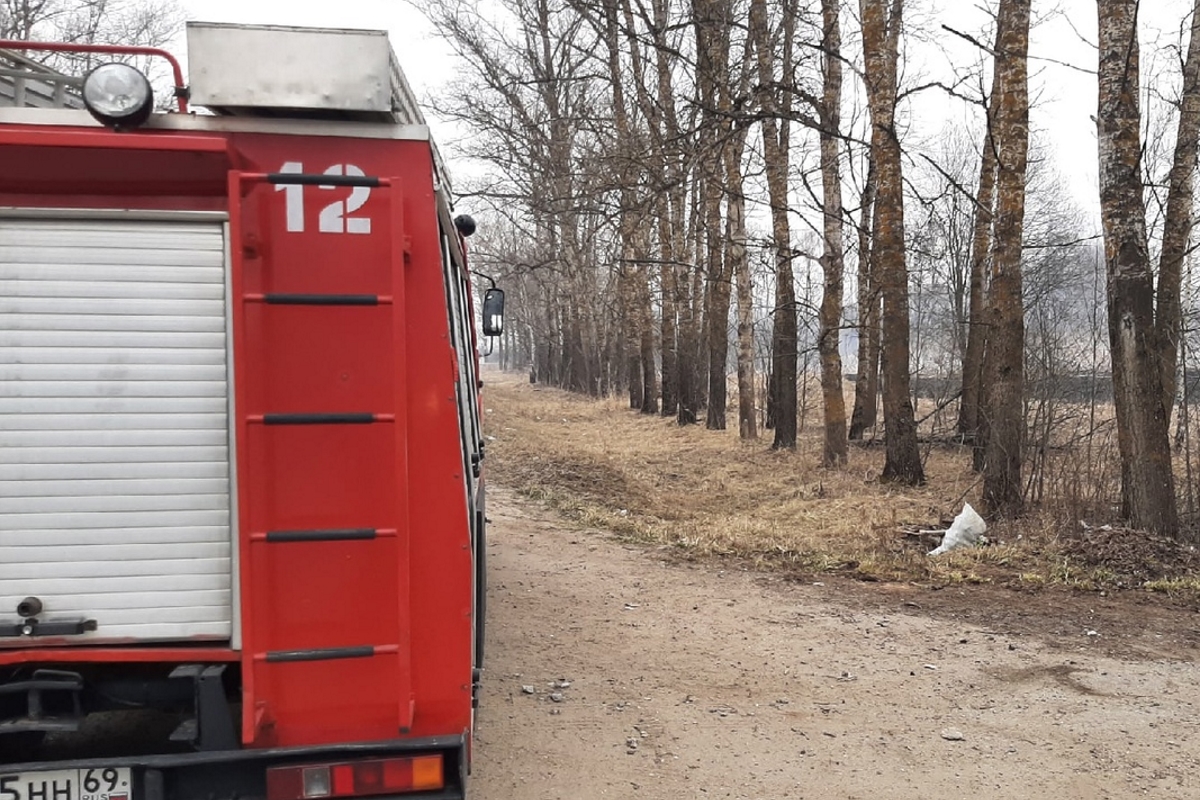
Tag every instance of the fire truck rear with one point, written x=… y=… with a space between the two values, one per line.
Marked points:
x=241 y=514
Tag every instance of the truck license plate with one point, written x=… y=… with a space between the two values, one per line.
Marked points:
x=110 y=783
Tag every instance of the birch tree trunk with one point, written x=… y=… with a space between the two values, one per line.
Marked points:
x=834 y=452
x=1148 y=485
x=1005 y=379
x=881 y=23
x=1177 y=226
x=740 y=267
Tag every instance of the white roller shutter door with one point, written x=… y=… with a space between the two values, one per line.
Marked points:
x=114 y=427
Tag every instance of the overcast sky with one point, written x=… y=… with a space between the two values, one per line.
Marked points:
x=1066 y=95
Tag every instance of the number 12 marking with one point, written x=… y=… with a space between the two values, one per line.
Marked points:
x=333 y=218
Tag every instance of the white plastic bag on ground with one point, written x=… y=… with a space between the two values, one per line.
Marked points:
x=966 y=530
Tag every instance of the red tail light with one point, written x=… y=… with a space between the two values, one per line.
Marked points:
x=356 y=778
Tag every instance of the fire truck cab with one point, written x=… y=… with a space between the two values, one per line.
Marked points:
x=240 y=445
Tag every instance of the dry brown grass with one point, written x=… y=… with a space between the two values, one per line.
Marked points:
x=708 y=494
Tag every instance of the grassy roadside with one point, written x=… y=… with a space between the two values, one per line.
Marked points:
x=706 y=494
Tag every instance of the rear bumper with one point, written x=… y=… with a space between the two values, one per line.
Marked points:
x=241 y=774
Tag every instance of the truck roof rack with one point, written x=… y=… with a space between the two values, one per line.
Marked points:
x=27 y=83
x=301 y=73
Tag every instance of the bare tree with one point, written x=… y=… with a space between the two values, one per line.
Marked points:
x=833 y=263
x=713 y=23
x=1148 y=484
x=866 y=382
x=632 y=220
x=740 y=264
x=981 y=245
x=151 y=23
x=882 y=21
x=1005 y=378
x=668 y=144
x=776 y=101
x=1177 y=225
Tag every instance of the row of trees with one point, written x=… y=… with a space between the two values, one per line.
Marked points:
x=657 y=164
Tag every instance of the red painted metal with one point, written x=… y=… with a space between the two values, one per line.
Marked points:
x=133 y=654
x=361 y=477
x=105 y=139
x=100 y=163
x=397 y=608
x=408 y=591
x=111 y=49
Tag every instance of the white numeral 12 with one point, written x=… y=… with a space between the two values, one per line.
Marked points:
x=333 y=217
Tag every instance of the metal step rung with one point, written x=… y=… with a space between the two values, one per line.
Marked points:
x=349 y=418
x=308 y=299
x=310 y=179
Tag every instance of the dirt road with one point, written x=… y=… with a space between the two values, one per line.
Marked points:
x=615 y=673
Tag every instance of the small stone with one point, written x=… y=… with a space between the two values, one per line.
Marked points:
x=952 y=735
x=528 y=689
x=556 y=697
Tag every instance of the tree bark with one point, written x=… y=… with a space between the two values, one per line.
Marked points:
x=1147 y=479
x=1177 y=226
x=665 y=126
x=688 y=345
x=881 y=22
x=1002 y=488
x=646 y=326
x=776 y=111
x=642 y=235
x=981 y=242
x=630 y=334
x=866 y=382
x=629 y=220
x=834 y=453
x=740 y=267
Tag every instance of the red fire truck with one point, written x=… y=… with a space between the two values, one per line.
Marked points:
x=240 y=445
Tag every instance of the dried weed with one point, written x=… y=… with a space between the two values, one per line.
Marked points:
x=708 y=494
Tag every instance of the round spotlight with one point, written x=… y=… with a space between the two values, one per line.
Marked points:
x=465 y=224
x=118 y=95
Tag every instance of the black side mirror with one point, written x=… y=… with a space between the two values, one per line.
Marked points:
x=493 y=312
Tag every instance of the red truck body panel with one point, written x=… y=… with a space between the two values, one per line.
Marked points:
x=355 y=583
